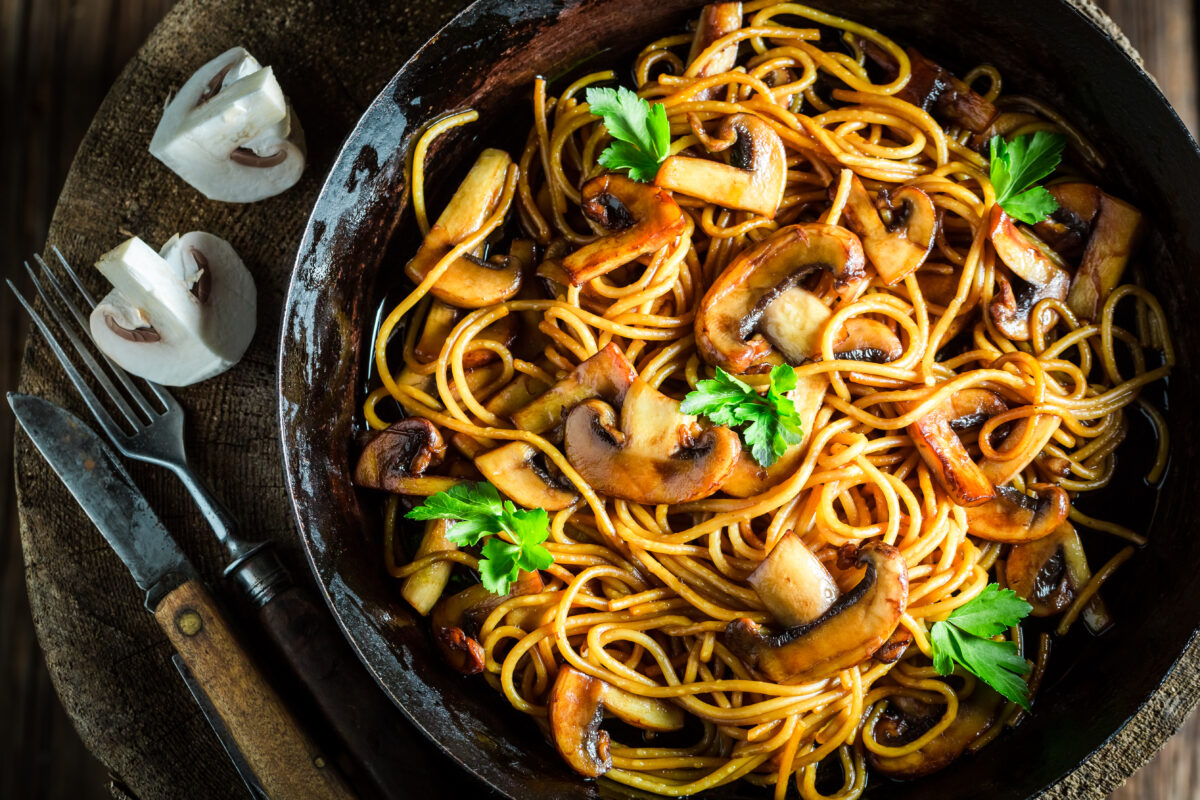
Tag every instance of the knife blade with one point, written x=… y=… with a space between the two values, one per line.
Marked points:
x=282 y=758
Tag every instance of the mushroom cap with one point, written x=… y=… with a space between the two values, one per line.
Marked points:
x=230 y=132
x=1015 y=517
x=899 y=250
x=907 y=718
x=516 y=469
x=178 y=317
x=606 y=375
x=1041 y=272
x=658 y=455
x=935 y=437
x=399 y=454
x=729 y=316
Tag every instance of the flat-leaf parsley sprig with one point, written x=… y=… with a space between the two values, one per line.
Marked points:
x=772 y=421
x=965 y=638
x=481 y=514
x=641 y=133
x=1017 y=165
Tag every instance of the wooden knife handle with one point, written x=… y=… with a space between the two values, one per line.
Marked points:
x=286 y=762
x=354 y=706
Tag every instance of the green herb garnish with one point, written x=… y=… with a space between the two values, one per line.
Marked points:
x=514 y=535
x=1017 y=166
x=772 y=422
x=640 y=130
x=965 y=638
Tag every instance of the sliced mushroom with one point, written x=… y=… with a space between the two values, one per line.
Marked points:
x=1069 y=226
x=456 y=620
x=907 y=719
x=1015 y=517
x=230 y=132
x=606 y=375
x=1051 y=572
x=643 y=219
x=793 y=583
x=514 y=395
x=423 y=588
x=440 y=321
x=894 y=648
x=1041 y=272
x=731 y=331
x=519 y=471
x=935 y=437
x=868 y=340
x=469 y=282
x=577 y=706
x=749 y=477
x=1117 y=230
x=935 y=89
x=716 y=20
x=898 y=249
x=396 y=459
x=792 y=324
x=853 y=628
x=658 y=455
x=754 y=178
x=179 y=316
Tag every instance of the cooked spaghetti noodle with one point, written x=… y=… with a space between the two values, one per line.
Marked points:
x=641 y=596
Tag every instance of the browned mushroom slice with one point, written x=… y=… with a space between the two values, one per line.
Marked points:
x=577 y=706
x=1050 y=572
x=519 y=471
x=1041 y=272
x=657 y=455
x=396 y=458
x=456 y=619
x=643 y=219
x=749 y=477
x=515 y=395
x=469 y=282
x=440 y=321
x=907 y=719
x=1069 y=227
x=898 y=249
x=754 y=178
x=716 y=20
x=934 y=435
x=731 y=314
x=935 y=89
x=1015 y=517
x=606 y=375
x=1117 y=230
x=853 y=628
x=894 y=648
x=868 y=340
x=793 y=583
x=423 y=588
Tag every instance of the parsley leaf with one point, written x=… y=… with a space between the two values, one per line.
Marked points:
x=641 y=132
x=1017 y=165
x=773 y=422
x=481 y=514
x=965 y=638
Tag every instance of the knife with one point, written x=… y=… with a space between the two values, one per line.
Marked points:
x=283 y=760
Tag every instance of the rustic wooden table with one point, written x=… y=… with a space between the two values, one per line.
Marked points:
x=59 y=59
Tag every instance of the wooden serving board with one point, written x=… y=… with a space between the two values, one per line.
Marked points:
x=107 y=658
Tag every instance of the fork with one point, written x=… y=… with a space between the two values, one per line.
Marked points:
x=305 y=635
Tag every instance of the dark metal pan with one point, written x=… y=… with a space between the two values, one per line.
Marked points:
x=486 y=58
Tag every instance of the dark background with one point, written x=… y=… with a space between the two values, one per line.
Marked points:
x=57 y=60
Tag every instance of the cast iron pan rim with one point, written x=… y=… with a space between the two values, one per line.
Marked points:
x=295 y=289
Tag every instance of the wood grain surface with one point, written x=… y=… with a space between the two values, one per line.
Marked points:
x=58 y=59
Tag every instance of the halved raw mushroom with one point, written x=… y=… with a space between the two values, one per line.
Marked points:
x=423 y=588
x=519 y=471
x=1014 y=517
x=396 y=459
x=935 y=89
x=853 y=628
x=440 y=321
x=179 y=316
x=716 y=20
x=606 y=375
x=470 y=282
x=456 y=620
x=643 y=219
x=230 y=132
x=897 y=249
x=1115 y=233
x=907 y=719
x=1051 y=572
x=658 y=455
x=754 y=178
x=1042 y=275
x=736 y=327
x=578 y=703
x=749 y=477
x=793 y=583
x=936 y=439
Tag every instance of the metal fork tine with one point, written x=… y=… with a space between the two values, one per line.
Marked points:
x=62 y=261
x=89 y=397
x=121 y=375
x=85 y=354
